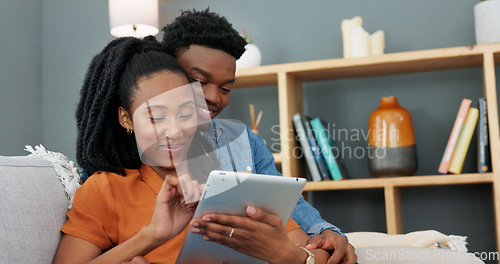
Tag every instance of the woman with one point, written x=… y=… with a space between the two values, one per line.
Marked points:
x=136 y=127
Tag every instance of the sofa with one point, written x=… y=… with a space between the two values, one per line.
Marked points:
x=33 y=208
x=34 y=202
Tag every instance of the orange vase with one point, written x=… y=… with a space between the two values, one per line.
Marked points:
x=391 y=142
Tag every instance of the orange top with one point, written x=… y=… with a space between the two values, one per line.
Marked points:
x=109 y=209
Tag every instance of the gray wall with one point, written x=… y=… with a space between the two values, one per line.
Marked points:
x=44 y=58
x=20 y=75
x=73 y=32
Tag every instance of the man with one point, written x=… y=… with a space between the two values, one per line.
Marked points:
x=207 y=46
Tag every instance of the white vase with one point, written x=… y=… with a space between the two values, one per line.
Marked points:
x=487 y=21
x=250 y=58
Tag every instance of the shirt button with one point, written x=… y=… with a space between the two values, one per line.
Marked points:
x=249 y=168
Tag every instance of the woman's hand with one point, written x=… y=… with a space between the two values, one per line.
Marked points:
x=260 y=235
x=191 y=190
x=172 y=213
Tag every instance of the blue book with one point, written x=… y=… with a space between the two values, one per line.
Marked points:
x=326 y=149
x=337 y=154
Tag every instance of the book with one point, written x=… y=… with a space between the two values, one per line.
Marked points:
x=306 y=148
x=462 y=146
x=483 y=140
x=318 y=156
x=323 y=142
x=455 y=133
x=336 y=154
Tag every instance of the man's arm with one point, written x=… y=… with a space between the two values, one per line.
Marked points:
x=310 y=220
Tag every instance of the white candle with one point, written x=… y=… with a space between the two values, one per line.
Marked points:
x=377 y=43
x=346 y=26
x=359 y=42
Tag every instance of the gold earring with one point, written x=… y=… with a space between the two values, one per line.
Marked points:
x=130 y=132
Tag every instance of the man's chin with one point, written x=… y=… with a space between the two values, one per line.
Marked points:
x=214 y=114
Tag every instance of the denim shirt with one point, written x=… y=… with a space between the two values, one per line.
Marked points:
x=242 y=150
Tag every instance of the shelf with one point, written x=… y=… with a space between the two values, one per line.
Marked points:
x=407 y=181
x=277 y=158
x=289 y=79
x=393 y=63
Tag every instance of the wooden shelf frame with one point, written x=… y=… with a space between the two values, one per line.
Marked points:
x=392 y=190
x=407 y=181
x=387 y=64
x=288 y=77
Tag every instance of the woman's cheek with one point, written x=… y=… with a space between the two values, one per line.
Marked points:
x=190 y=129
x=145 y=134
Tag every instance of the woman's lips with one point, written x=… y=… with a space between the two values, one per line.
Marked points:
x=173 y=148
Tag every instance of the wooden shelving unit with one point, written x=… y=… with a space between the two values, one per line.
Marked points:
x=290 y=76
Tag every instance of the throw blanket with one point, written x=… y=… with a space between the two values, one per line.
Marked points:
x=65 y=169
x=425 y=239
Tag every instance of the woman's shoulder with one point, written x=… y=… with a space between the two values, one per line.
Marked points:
x=103 y=186
x=106 y=179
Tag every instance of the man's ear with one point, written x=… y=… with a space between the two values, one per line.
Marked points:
x=125 y=119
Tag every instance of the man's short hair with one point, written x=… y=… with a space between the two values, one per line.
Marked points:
x=202 y=28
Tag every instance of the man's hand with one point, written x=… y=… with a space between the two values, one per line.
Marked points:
x=259 y=234
x=343 y=252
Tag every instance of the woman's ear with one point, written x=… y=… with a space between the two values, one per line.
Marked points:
x=125 y=119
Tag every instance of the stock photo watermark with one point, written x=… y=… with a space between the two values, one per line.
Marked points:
x=419 y=254
x=348 y=143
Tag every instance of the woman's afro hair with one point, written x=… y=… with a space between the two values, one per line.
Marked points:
x=102 y=143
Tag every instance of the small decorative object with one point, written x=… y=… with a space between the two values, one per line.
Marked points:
x=255 y=123
x=252 y=56
x=391 y=142
x=377 y=43
x=359 y=43
x=487 y=21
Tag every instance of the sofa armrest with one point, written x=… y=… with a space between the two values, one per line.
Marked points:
x=33 y=208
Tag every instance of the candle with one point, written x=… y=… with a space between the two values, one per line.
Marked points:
x=359 y=42
x=377 y=43
x=346 y=26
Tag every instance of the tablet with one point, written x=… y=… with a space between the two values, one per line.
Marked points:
x=229 y=193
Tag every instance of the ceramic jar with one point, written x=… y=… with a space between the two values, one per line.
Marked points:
x=250 y=58
x=391 y=141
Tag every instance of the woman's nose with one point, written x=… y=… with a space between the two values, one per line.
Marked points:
x=173 y=130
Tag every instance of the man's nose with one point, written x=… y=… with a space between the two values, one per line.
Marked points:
x=211 y=92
